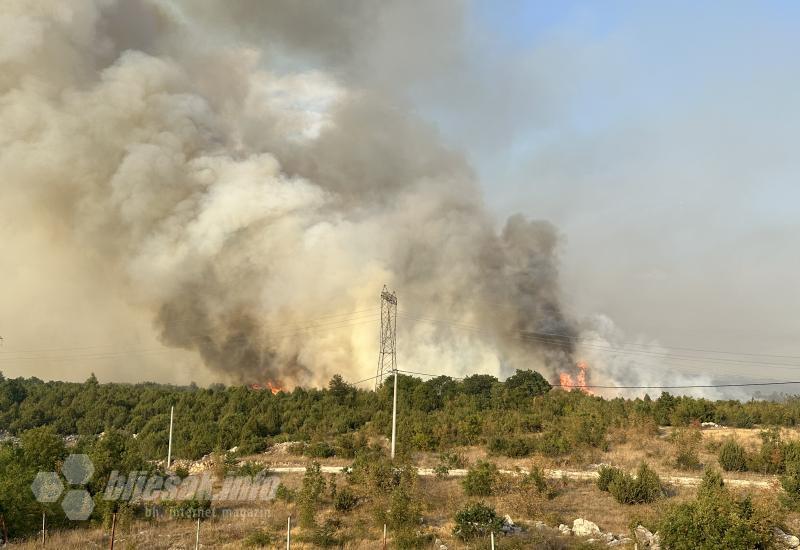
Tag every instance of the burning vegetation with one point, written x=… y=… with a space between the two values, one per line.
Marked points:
x=569 y=383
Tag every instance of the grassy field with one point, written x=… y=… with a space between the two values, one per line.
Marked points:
x=234 y=527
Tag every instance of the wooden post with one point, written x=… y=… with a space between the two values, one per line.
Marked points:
x=384 y=536
x=5 y=531
x=288 y=533
x=113 y=528
x=169 y=444
x=44 y=530
x=197 y=535
x=394 y=413
x=492 y=540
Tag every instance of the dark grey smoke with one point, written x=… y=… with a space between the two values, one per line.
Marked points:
x=242 y=168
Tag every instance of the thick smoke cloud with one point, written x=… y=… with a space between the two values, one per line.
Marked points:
x=233 y=171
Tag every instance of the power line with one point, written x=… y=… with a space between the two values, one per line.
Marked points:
x=532 y=336
x=339 y=324
x=300 y=325
x=506 y=305
x=595 y=386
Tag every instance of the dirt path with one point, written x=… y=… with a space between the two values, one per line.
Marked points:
x=552 y=474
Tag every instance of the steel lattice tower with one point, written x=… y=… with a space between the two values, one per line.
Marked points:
x=387 y=356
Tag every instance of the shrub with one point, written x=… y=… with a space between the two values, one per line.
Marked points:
x=309 y=496
x=447 y=462
x=553 y=443
x=345 y=500
x=514 y=447
x=790 y=482
x=607 y=474
x=481 y=479
x=687 y=447
x=732 y=457
x=453 y=460
x=282 y=492
x=716 y=519
x=476 y=520
x=320 y=449
x=259 y=539
x=626 y=489
x=769 y=459
x=325 y=535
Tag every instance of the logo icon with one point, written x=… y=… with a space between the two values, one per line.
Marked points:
x=77 y=503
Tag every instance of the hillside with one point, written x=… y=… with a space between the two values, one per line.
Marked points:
x=524 y=450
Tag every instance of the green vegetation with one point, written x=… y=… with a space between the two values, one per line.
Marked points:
x=476 y=520
x=124 y=427
x=716 y=519
x=687 y=447
x=481 y=479
x=644 y=488
x=259 y=539
x=732 y=456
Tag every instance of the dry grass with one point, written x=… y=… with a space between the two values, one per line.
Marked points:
x=443 y=497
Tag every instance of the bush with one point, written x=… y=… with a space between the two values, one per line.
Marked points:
x=325 y=535
x=608 y=474
x=790 y=482
x=732 y=457
x=320 y=449
x=259 y=539
x=626 y=489
x=481 y=479
x=309 y=496
x=514 y=447
x=770 y=458
x=476 y=520
x=553 y=443
x=687 y=447
x=716 y=519
x=345 y=500
x=282 y=492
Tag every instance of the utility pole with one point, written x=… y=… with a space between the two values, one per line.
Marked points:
x=113 y=529
x=169 y=445
x=387 y=355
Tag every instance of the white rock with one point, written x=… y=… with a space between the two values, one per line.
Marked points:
x=565 y=530
x=789 y=541
x=584 y=528
x=646 y=539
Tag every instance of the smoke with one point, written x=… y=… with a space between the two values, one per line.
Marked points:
x=235 y=172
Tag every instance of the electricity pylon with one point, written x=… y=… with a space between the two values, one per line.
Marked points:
x=387 y=356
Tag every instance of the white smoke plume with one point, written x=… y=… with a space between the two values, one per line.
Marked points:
x=227 y=172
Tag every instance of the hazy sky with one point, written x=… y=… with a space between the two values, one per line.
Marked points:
x=662 y=140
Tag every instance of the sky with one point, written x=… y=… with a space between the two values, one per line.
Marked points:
x=658 y=139
x=661 y=139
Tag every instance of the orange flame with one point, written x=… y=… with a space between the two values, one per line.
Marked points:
x=268 y=385
x=579 y=382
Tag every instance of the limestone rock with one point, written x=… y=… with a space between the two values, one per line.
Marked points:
x=584 y=528
x=785 y=539
x=646 y=539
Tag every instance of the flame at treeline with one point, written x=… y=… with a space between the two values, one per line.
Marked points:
x=578 y=382
x=268 y=385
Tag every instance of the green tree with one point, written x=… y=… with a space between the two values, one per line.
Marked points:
x=481 y=479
